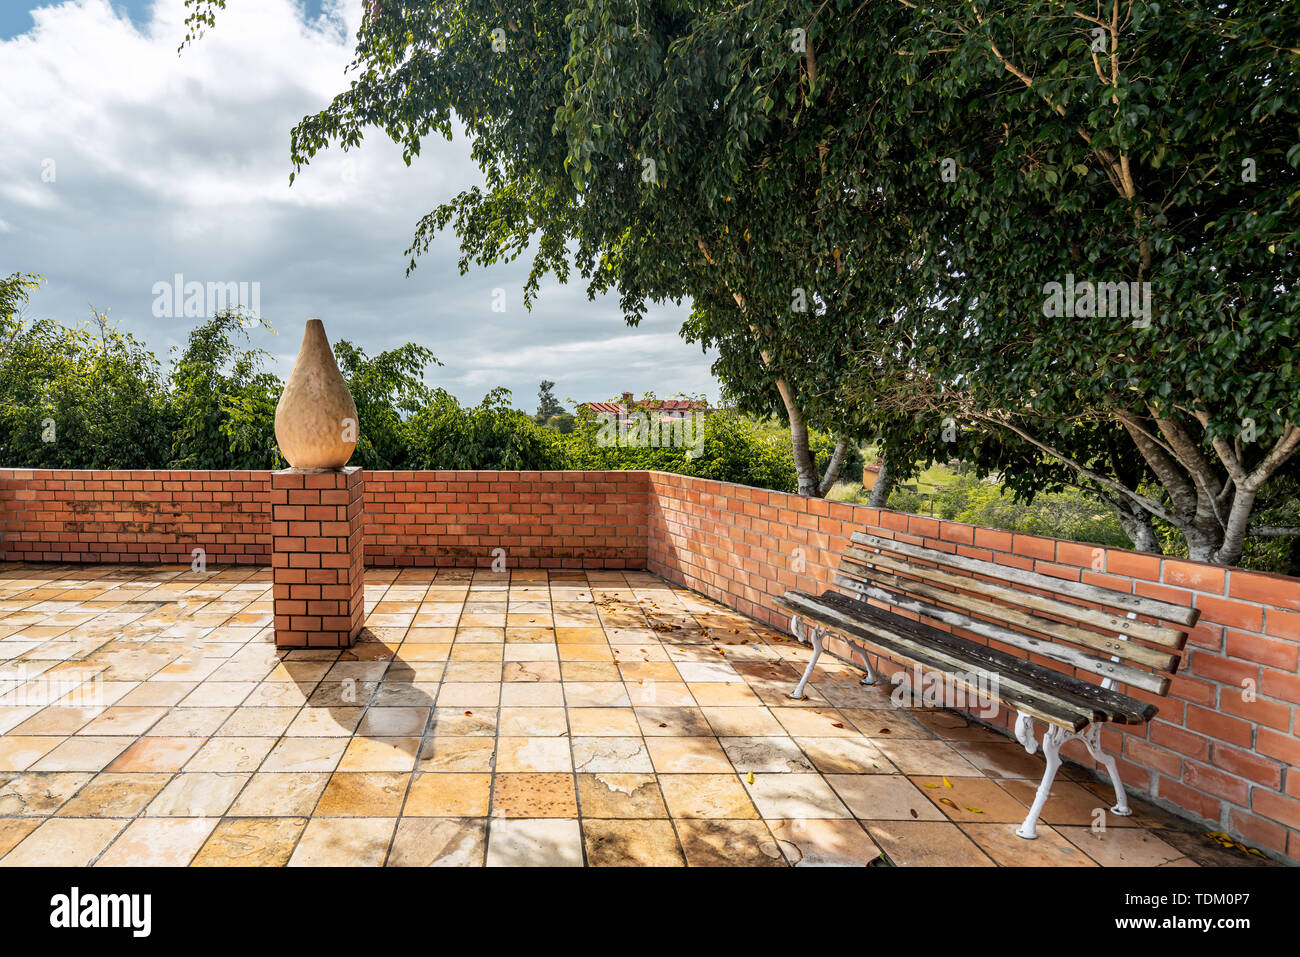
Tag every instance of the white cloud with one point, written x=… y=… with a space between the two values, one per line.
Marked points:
x=122 y=163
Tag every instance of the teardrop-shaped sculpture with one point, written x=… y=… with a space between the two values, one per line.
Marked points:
x=316 y=419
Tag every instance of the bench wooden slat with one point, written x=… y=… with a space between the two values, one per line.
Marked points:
x=1157 y=659
x=1103 y=667
x=1110 y=704
x=1152 y=607
x=1157 y=634
x=1047 y=694
x=1051 y=710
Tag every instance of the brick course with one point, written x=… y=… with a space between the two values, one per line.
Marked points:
x=538 y=519
x=535 y=519
x=134 y=516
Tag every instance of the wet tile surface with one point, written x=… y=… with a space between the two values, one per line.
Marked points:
x=523 y=718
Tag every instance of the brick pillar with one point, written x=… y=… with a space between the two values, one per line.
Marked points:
x=316 y=556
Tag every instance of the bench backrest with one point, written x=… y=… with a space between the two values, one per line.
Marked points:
x=1097 y=631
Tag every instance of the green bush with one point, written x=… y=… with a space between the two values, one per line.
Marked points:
x=222 y=401
x=730 y=448
x=562 y=423
x=489 y=436
x=78 y=398
x=70 y=398
x=733 y=451
x=388 y=389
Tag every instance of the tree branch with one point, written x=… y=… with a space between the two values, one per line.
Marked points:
x=833 y=467
x=1152 y=506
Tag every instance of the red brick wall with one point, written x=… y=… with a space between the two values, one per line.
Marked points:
x=130 y=516
x=1233 y=762
x=539 y=519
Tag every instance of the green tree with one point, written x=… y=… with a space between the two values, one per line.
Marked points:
x=75 y=398
x=924 y=172
x=1159 y=142
x=548 y=405
x=388 y=389
x=658 y=202
x=223 y=400
x=490 y=436
x=15 y=295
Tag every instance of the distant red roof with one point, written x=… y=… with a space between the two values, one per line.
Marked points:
x=662 y=405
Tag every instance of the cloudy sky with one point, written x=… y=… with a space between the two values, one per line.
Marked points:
x=123 y=164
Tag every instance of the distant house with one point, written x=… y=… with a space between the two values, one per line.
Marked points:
x=650 y=423
x=666 y=410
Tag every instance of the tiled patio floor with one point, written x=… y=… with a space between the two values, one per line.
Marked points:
x=520 y=718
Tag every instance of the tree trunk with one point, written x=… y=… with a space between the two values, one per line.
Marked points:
x=805 y=468
x=884 y=485
x=1200 y=547
x=1198 y=496
x=1234 y=532
x=1137 y=526
x=833 y=467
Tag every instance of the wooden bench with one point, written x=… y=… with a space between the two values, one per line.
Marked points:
x=1085 y=629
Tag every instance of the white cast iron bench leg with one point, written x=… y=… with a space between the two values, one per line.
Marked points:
x=870 y=677
x=1053 y=738
x=814 y=637
x=1091 y=737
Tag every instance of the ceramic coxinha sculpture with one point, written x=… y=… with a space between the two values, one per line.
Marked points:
x=316 y=419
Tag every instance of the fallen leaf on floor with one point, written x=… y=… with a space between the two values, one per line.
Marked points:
x=973 y=810
x=947 y=783
x=949 y=802
x=913 y=812
x=750 y=777
x=837 y=724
